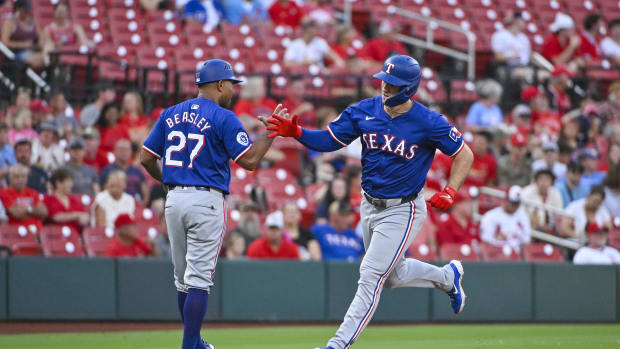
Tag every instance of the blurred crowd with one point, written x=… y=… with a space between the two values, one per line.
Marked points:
x=553 y=157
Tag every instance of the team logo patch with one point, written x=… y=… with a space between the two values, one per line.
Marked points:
x=455 y=134
x=242 y=138
x=195 y=106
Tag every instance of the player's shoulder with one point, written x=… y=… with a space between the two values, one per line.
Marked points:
x=364 y=107
x=425 y=114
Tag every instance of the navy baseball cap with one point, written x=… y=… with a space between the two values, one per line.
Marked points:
x=215 y=70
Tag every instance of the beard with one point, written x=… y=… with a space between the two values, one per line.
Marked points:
x=250 y=229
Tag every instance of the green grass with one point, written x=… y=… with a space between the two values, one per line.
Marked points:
x=309 y=337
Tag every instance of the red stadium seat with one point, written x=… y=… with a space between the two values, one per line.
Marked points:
x=61 y=241
x=96 y=240
x=541 y=252
x=145 y=214
x=462 y=91
x=423 y=252
x=148 y=230
x=26 y=249
x=10 y=235
x=458 y=251
x=492 y=253
x=118 y=62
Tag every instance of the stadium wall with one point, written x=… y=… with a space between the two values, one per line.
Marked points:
x=141 y=290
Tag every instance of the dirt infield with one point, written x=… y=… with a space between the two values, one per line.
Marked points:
x=21 y=327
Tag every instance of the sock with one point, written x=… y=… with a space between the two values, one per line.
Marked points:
x=193 y=314
x=181 y=296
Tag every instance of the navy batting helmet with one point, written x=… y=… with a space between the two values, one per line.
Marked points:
x=400 y=70
x=215 y=70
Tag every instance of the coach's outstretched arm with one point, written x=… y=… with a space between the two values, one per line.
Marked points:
x=458 y=172
x=318 y=140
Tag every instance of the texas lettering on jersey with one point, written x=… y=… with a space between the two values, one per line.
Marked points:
x=389 y=143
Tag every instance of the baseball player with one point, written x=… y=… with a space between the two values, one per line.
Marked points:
x=195 y=140
x=399 y=139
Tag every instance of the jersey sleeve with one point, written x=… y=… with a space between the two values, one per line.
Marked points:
x=234 y=137
x=444 y=136
x=154 y=143
x=343 y=129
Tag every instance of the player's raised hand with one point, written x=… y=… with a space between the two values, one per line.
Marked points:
x=282 y=125
x=443 y=199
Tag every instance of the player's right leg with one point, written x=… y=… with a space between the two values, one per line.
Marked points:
x=387 y=233
x=178 y=246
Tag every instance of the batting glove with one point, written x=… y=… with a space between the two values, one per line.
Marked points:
x=284 y=127
x=443 y=199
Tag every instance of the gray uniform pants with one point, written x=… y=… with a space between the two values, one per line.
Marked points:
x=196 y=222
x=387 y=235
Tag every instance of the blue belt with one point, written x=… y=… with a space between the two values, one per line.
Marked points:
x=196 y=187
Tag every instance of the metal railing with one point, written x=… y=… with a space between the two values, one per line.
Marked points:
x=32 y=75
x=428 y=43
x=552 y=211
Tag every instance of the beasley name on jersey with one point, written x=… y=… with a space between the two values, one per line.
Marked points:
x=195 y=140
x=396 y=152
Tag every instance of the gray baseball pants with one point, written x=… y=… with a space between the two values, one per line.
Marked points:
x=196 y=222
x=388 y=233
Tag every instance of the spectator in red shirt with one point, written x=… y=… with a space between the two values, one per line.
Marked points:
x=484 y=168
x=133 y=118
x=64 y=208
x=459 y=228
x=252 y=100
x=544 y=119
x=127 y=242
x=590 y=48
x=23 y=205
x=110 y=129
x=286 y=12
x=273 y=245
x=557 y=88
x=561 y=47
x=385 y=44
x=295 y=101
x=94 y=155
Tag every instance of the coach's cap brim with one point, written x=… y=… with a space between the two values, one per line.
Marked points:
x=390 y=79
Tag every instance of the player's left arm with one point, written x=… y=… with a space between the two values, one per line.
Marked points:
x=152 y=150
x=449 y=140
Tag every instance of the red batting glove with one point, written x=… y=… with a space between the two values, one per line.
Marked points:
x=443 y=199
x=284 y=127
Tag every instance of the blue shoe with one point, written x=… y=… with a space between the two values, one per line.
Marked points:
x=457 y=294
x=325 y=348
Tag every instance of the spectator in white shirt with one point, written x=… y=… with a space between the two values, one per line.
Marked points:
x=510 y=45
x=113 y=200
x=550 y=161
x=596 y=252
x=582 y=211
x=507 y=225
x=542 y=192
x=310 y=48
x=611 y=44
x=46 y=153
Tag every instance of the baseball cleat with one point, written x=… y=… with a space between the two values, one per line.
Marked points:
x=205 y=345
x=325 y=348
x=457 y=294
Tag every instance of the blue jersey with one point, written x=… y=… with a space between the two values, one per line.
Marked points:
x=196 y=140
x=345 y=245
x=396 y=152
